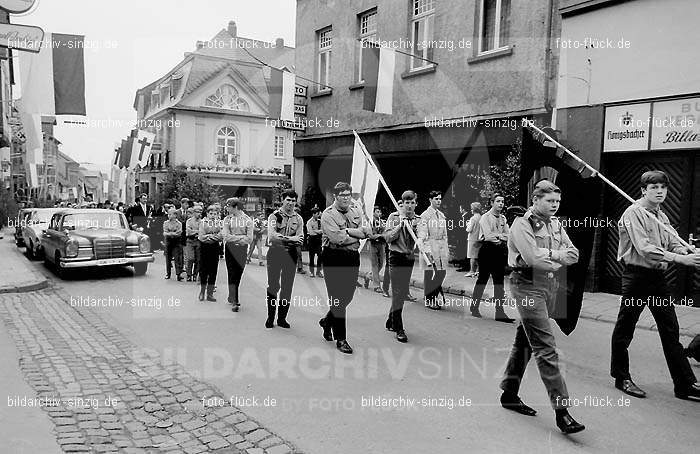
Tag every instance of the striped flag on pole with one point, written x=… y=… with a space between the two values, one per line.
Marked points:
x=281 y=94
x=378 y=66
x=364 y=180
x=53 y=80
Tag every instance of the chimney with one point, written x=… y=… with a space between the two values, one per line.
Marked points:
x=279 y=43
x=232 y=29
x=200 y=45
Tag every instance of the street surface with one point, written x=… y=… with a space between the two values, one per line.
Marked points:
x=438 y=393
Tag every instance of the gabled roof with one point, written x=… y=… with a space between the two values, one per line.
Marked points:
x=225 y=52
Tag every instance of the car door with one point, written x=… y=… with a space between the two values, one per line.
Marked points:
x=26 y=228
x=48 y=239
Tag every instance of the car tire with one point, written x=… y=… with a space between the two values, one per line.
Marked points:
x=140 y=269
x=60 y=272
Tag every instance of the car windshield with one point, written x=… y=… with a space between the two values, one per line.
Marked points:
x=86 y=221
x=41 y=216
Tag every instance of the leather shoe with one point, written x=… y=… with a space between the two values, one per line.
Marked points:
x=343 y=346
x=476 y=314
x=692 y=392
x=234 y=308
x=504 y=318
x=628 y=387
x=327 y=331
x=401 y=336
x=388 y=326
x=512 y=402
x=411 y=298
x=567 y=424
x=269 y=323
x=283 y=324
x=385 y=294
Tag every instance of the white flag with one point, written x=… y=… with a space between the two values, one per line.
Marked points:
x=364 y=181
x=32 y=175
x=141 y=151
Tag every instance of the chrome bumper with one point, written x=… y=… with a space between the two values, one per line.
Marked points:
x=86 y=263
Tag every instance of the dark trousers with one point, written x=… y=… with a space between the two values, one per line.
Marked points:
x=492 y=263
x=209 y=263
x=235 y=263
x=386 y=280
x=432 y=284
x=401 y=266
x=340 y=270
x=643 y=287
x=281 y=266
x=173 y=251
x=315 y=261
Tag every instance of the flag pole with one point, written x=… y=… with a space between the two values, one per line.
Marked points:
x=531 y=124
x=393 y=200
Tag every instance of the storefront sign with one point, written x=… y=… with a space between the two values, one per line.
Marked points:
x=676 y=124
x=627 y=127
x=21 y=37
x=300 y=90
x=17 y=6
x=300 y=109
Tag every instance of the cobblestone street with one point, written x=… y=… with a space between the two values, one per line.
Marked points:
x=104 y=394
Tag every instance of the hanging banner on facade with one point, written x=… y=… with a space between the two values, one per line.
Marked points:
x=21 y=37
x=676 y=124
x=17 y=6
x=627 y=127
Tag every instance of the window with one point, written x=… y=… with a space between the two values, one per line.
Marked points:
x=368 y=34
x=226 y=146
x=279 y=147
x=325 y=43
x=422 y=32
x=165 y=93
x=155 y=99
x=226 y=97
x=494 y=25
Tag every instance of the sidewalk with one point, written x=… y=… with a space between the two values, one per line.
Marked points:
x=596 y=306
x=17 y=274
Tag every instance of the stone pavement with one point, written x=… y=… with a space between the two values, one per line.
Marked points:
x=106 y=395
x=16 y=275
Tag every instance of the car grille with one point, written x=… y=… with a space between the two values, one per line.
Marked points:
x=109 y=248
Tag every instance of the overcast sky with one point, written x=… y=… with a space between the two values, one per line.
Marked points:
x=151 y=37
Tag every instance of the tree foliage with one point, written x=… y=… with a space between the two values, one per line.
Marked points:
x=179 y=183
x=503 y=178
x=8 y=207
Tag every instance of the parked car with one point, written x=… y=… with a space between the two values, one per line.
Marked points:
x=21 y=219
x=36 y=221
x=89 y=238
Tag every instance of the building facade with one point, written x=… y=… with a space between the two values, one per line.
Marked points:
x=210 y=114
x=629 y=101
x=474 y=69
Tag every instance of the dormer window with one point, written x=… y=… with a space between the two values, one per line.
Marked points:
x=226 y=97
x=155 y=99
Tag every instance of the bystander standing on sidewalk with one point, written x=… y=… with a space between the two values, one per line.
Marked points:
x=473 y=243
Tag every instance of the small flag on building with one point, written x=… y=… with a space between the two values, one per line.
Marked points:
x=32 y=175
x=141 y=151
x=281 y=94
x=34 y=145
x=364 y=180
x=53 y=80
x=378 y=66
x=125 y=153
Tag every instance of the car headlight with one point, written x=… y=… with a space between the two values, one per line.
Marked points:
x=144 y=244
x=72 y=248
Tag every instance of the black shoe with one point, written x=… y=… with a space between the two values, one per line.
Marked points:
x=388 y=326
x=343 y=346
x=301 y=271
x=377 y=289
x=327 y=331
x=283 y=324
x=692 y=392
x=411 y=298
x=234 y=308
x=567 y=424
x=189 y=278
x=201 y=295
x=179 y=277
x=167 y=276
x=476 y=313
x=401 y=336
x=502 y=317
x=269 y=323
x=628 y=387
x=319 y=274
x=385 y=294
x=512 y=402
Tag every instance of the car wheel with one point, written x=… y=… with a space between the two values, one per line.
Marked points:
x=60 y=272
x=140 y=269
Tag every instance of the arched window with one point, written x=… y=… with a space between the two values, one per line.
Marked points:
x=226 y=150
x=226 y=97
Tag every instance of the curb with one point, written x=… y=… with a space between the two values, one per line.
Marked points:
x=417 y=283
x=38 y=285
